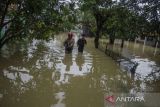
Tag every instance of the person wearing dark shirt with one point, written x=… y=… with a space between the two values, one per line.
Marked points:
x=81 y=43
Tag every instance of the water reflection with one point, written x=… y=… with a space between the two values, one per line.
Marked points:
x=16 y=73
x=145 y=68
x=60 y=97
x=40 y=74
x=70 y=66
x=80 y=61
x=67 y=61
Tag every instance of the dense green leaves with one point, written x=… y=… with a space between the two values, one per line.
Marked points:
x=123 y=19
x=34 y=18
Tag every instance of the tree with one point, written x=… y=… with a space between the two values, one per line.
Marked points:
x=33 y=18
x=122 y=24
x=100 y=11
x=149 y=11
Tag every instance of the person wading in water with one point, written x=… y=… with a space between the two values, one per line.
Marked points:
x=69 y=43
x=81 y=42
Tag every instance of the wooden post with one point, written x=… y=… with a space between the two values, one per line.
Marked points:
x=144 y=43
x=127 y=43
x=135 y=41
x=155 y=51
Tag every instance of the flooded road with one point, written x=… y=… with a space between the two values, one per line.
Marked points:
x=40 y=74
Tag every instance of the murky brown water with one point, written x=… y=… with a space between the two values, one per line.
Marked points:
x=40 y=74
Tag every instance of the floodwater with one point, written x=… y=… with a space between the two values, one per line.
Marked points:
x=40 y=74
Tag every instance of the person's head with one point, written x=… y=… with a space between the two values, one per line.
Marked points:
x=70 y=35
x=83 y=35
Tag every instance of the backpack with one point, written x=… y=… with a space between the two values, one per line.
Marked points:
x=68 y=45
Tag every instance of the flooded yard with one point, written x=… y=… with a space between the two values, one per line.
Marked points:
x=40 y=74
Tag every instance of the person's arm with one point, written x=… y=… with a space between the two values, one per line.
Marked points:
x=78 y=42
x=65 y=42
x=85 y=42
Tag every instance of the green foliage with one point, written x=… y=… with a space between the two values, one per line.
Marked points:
x=35 y=18
x=122 y=24
x=96 y=12
x=149 y=11
x=124 y=19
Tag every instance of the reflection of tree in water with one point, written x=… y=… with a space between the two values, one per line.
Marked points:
x=67 y=61
x=153 y=80
x=21 y=78
x=39 y=87
x=80 y=61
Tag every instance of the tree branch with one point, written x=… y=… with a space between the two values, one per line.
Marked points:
x=4 y=14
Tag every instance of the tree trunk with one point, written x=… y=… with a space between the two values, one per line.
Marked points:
x=4 y=14
x=96 y=42
x=111 y=40
x=99 y=24
x=4 y=39
x=122 y=43
x=100 y=20
x=157 y=40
